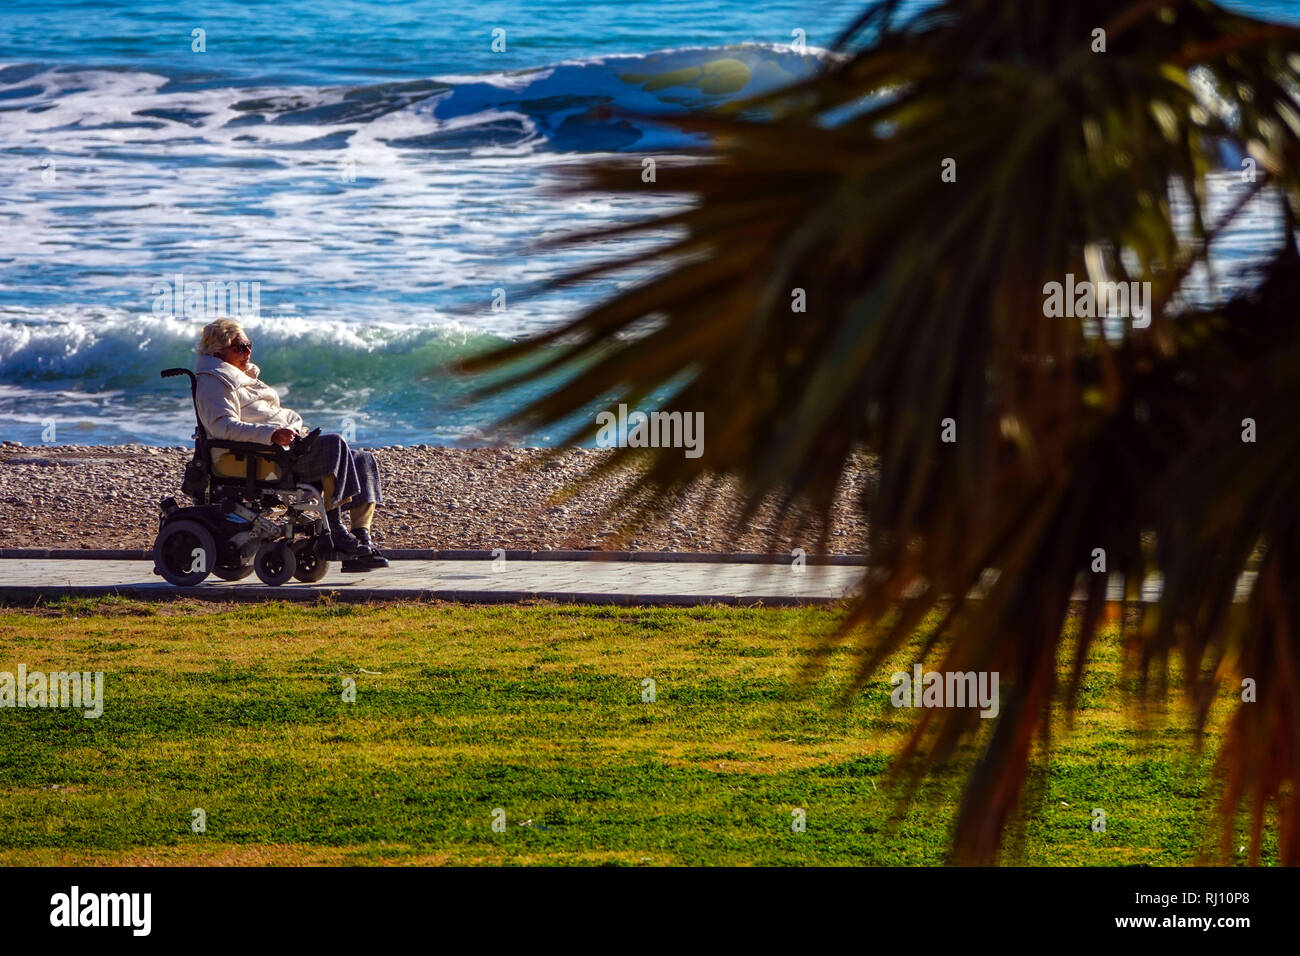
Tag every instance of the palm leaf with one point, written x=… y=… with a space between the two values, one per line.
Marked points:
x=925 y=303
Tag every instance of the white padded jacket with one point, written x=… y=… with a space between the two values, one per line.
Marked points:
x=234 y=406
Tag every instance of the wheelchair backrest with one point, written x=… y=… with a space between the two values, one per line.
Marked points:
x=200 y=435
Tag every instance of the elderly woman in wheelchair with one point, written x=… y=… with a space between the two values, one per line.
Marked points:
x=267 y=494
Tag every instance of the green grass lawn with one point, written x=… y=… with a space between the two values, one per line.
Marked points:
x=536 y=710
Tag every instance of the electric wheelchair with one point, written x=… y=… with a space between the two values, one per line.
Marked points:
x=273 y=526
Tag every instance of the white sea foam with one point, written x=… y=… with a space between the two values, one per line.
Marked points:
x=378 y=220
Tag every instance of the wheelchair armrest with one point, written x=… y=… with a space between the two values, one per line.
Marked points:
x=253 y=449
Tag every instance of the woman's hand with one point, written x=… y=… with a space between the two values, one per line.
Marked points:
x=283 y=436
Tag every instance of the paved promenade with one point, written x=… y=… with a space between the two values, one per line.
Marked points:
x=598 y=582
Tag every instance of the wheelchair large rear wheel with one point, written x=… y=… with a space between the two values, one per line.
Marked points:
x=184 y=552
x=275 y=563
x=312 y=564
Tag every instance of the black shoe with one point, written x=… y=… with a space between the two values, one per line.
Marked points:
x=364 y=560
x=375 y=558
x=341 y=540
x=344 y=545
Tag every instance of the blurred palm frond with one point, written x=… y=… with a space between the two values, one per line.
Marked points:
x=925 y=302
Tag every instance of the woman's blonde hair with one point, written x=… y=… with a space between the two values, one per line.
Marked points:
x=217 y=336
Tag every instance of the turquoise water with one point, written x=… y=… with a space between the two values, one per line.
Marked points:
x=375 y=171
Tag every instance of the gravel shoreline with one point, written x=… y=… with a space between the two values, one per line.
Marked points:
x=106 y=496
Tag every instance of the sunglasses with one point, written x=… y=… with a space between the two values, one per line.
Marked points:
x=245 y=347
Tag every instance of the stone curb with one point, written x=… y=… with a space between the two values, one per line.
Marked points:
x=307 y=593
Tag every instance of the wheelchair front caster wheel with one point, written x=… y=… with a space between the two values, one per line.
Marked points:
x=312 y=560
x=184 y=552
x=275 y=563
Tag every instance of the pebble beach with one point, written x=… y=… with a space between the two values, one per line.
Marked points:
x=441 y=498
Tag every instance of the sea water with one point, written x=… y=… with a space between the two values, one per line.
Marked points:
x=377 y=173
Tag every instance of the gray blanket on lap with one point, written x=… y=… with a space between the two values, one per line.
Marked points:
x=356 y=473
